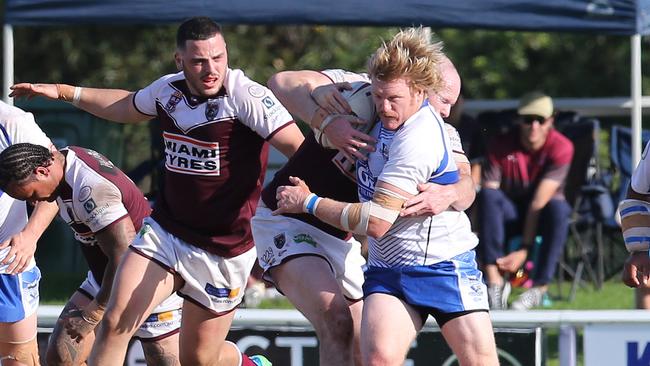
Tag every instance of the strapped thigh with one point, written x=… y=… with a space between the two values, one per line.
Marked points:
x=26 y=352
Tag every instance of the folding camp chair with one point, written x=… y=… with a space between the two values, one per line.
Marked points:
x=621 y=164
x=583 y=193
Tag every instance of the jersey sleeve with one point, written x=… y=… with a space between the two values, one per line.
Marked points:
x=100 y=207
x=340 y=76
x=641 y=175
x=416 y=151
x=256 y=105
x=19 y=126
x=455 y=144
x=145 y=99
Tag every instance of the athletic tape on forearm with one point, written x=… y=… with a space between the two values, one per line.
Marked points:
x=385 y=205
x=635 y=224
x=77 y=95
x=355 y=217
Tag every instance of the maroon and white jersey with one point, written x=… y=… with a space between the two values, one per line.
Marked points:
x=215 y=157
x=93 y=195
x=323 y=171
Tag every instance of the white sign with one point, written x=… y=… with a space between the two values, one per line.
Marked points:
x=135 y=355
x=625 y=345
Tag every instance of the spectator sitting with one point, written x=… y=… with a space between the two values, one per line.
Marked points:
x=523 y=194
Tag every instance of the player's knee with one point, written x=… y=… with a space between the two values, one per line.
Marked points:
x=197 y=357
x=478 y=354
x=117 y=323
x=384 y=357
x=336 y=325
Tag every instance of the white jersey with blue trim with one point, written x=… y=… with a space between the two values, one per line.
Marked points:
x=418 y=152
x=641 y=176
x=16 y=126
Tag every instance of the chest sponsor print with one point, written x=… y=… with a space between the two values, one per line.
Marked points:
x=365 y=181
x=190 y=156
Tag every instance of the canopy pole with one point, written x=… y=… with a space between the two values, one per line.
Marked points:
x=8 y=64
x=636 y=99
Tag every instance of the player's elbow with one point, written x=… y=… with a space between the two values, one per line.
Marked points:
x=378 y=228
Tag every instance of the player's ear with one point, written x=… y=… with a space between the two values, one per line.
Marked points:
x=179 y=61
x=41 y=171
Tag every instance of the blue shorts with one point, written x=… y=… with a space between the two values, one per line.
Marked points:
x=19 y=295
x=450 y=287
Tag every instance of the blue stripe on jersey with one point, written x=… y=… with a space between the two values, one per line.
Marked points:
x=436 y=177
x=6 y=135
x=633 y=209
x=450 y=177
x=11 y=305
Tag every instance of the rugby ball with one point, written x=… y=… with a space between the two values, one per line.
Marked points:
x=360 y=100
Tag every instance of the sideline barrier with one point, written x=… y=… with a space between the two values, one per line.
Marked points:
x=613 y=337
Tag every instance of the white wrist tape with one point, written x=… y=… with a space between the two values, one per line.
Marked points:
x=327 y=120
x=77 y=95
x=635 y=224
x=310 y=203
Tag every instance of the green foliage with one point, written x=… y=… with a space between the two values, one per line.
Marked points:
x=507 y=64
x=493 y=64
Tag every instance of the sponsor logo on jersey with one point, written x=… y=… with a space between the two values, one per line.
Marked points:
x=211 y=109
x=186 y=155
x=174 y=99
x=256 y=91
x=279 y=240
x=90 y=205
x=365 y=181
x=221 y=292
x=268 y=102
x=96 y=216
x=84 y=193
x=105 y=165
x=163 y=319
x=305 y=238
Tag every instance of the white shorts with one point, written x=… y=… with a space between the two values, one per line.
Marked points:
x=211 y=281
x=279 y=238
x=19 y=295
x=164 y=320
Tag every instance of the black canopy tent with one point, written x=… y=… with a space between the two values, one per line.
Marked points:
x=620 y=17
